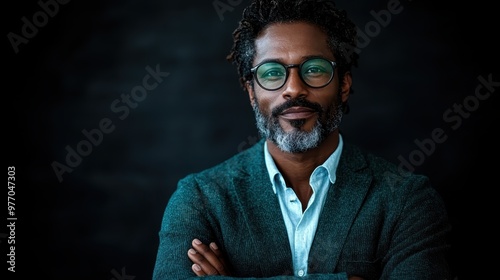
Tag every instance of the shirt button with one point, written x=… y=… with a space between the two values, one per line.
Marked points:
x=301 y=273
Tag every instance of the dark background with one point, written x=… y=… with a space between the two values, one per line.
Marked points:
x=101 y=221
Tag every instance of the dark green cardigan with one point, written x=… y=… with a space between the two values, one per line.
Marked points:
x=377 y=222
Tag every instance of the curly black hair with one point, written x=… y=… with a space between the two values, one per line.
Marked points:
x=259 y=14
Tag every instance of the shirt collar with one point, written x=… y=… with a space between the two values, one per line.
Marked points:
x=330 y=164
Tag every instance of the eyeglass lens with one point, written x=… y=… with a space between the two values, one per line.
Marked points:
x=316 y=72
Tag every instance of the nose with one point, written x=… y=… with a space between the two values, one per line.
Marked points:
x=294 y=86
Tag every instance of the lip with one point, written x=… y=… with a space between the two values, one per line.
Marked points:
x=295 y=113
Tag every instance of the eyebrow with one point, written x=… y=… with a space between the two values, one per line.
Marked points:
x=303 y=59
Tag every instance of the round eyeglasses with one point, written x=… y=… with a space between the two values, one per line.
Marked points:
x=315 y=72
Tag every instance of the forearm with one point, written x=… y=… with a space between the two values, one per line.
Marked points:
x=336 y=276
x=419 y=244
x=184 y=219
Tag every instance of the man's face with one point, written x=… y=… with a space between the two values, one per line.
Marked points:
x=296 y=117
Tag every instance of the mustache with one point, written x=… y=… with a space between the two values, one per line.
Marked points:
x=296 y=103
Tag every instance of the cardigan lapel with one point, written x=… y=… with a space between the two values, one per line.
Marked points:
x=263 y=215
x=265 y=220
x=342 y=203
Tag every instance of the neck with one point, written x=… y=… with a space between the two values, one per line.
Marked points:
x=297 y=168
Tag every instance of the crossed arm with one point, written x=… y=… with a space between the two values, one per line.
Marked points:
x=416 y=249
x=209 y=260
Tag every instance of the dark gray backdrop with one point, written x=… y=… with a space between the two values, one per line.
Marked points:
x=100 y=221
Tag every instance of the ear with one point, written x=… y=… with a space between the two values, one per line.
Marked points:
x=251 y=92
x=345 y=86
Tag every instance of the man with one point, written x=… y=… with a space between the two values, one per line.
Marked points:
x=301 y=202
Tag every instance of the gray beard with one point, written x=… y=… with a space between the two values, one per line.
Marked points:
x=298 y=141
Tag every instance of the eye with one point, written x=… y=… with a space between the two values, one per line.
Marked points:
x=317 y=68
x=271 y=71
x=312 y=72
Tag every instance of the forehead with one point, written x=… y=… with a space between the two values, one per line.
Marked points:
x=291 y=42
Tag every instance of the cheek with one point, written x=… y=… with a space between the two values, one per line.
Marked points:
x=265 y=102
x=331 y=97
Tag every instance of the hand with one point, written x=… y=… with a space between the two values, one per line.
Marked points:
x=207 y=260
x=355 y=278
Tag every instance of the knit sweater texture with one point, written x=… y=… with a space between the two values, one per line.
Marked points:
x=378 y=222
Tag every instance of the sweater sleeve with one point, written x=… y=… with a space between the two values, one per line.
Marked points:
x=183 y=220
x=189 y=215
x=336 y=276
x=419 y=240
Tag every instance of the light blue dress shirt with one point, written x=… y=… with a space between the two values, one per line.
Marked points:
x=301 y=226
